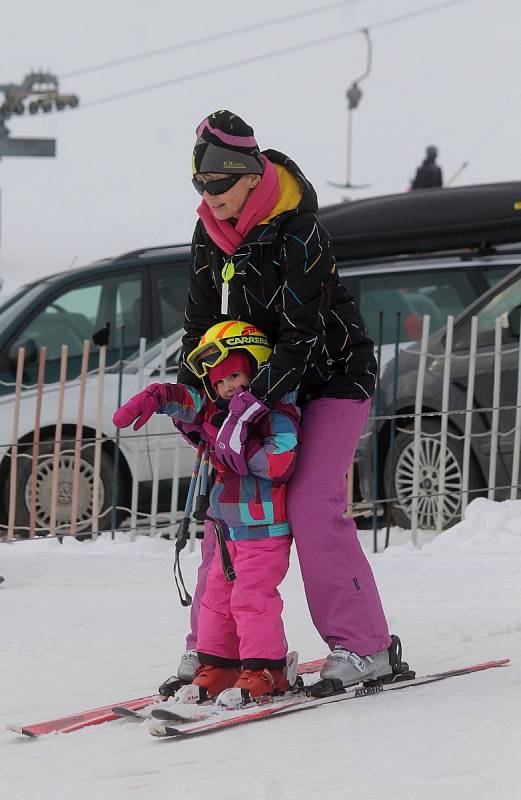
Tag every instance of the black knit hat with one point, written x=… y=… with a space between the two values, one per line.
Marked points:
x=226 y=144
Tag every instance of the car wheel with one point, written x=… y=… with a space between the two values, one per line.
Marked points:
x=64 y=496
x=399 y=480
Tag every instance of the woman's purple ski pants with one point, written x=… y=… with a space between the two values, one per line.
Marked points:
x=341 y=592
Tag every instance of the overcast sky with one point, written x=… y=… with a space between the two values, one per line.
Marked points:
x=121 y=178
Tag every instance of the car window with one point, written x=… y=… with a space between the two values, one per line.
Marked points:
x=68 y=319
x=501 y=303
x=76 y=314
x=128 y=312
x=171 y=291
x=412 y=294
x=493 y=275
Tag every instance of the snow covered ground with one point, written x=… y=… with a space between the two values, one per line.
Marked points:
x=85 y=624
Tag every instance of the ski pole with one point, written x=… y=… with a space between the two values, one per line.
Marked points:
x=182 y=531
x=202 y=501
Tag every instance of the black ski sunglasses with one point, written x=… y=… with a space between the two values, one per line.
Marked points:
x=218 y=186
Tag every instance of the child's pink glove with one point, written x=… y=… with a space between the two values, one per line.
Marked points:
x=230 y=443
x=144 y=404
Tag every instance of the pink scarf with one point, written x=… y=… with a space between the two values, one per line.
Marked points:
x=258 y=205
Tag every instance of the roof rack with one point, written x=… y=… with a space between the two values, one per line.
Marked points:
x=427 y=221
x=417 y=258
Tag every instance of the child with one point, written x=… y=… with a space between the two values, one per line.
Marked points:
x=241 y=640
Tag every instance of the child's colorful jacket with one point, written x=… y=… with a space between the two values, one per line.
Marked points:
x=252 y=506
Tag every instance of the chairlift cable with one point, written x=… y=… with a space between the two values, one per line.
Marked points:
x=212 y=37
x=213 y=70
x=484 y=141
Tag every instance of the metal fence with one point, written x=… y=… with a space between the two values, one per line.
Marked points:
x=84 y=477
x=457 y=411
x=430 y=445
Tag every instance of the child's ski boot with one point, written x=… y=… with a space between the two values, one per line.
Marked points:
x=209 y=682
x=260 y=685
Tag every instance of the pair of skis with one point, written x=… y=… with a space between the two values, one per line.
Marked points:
x=97 y=716
x=210 y=719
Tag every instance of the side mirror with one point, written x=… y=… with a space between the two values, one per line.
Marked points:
x=31 y=352
x=101 y=338
x=514 y=319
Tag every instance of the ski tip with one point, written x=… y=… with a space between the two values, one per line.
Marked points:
x=123 y=711
x=498 y=662
x=19 y=730
x=165 y=715
x=163 y=731
x=157 y=729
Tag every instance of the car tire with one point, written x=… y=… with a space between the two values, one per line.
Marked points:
x=44 y=482
x=398 y=477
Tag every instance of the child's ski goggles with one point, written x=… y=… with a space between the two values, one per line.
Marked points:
x=210 y=354
x=205 y=357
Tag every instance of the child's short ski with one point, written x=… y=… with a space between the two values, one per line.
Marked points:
x=131 y=713
x=302 y=702
x=184 y=712
x=96 y=716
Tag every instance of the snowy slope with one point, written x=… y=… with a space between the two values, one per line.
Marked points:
x=85 y=624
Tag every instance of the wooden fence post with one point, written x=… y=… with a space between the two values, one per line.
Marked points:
x=36 y=439
x=14 y=445
x=79 y=436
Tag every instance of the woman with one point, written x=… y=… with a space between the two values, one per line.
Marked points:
x=260 y=255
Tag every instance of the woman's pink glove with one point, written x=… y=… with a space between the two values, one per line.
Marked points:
x=144 y=404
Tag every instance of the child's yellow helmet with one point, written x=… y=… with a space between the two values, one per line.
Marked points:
x=220 y=340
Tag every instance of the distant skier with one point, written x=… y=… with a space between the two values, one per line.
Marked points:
x=428 y=175
x=240 y=622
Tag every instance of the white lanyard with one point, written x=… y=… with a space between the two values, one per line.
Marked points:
x=227 y=273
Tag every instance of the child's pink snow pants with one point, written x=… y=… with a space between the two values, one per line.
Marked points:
x=242 y=619
x=341 y=592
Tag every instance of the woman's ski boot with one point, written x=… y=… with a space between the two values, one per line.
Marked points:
x=185 y=674
x=345 y=668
